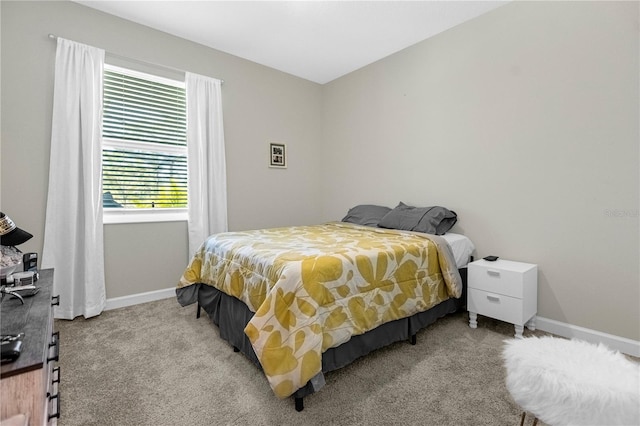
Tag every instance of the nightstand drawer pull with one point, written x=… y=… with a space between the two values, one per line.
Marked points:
x=493 y=272
x=493 y=298
x=55 y=300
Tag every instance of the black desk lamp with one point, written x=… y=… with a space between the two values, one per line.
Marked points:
x=11 y=236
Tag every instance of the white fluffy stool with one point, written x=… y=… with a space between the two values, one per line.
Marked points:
x=571 y=382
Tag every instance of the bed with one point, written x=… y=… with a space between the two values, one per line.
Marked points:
x=306 y=300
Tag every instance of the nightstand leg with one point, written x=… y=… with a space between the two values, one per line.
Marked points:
x=531 y=324
x=473 y=319
x=519 y=330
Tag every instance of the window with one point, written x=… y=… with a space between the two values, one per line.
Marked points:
x=144 y=152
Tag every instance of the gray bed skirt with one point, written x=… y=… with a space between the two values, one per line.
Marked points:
x=231 y=316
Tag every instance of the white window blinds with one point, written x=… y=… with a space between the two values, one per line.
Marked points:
x=144 y=141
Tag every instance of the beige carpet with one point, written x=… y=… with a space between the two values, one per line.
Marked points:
x=156 y=364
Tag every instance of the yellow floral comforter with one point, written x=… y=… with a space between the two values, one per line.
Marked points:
x=313 y=287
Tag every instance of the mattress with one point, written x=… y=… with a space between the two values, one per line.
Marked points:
x=461 y=246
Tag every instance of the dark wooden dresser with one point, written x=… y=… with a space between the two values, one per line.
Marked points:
x=29 y=385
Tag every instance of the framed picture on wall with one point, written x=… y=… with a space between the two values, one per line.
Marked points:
x=277 y=155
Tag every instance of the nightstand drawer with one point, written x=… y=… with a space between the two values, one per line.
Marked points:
x=498 y=306
x=503 y=277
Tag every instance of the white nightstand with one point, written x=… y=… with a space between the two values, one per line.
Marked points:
x=504 y=290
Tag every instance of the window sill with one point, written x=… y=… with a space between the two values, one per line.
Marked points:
x=112 y=216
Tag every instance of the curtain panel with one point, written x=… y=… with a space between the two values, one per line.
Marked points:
x=73 y=235
x=207 y=182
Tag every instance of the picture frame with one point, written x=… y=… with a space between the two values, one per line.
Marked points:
x=277 y=155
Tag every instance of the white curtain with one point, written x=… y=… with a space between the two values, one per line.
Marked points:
x=206 y=158
x=73 y=235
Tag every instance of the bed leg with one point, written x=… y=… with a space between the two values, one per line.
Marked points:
x=198 y=311
x=299 y=404
x=412 y=337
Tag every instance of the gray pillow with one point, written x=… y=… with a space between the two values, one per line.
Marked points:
x=366 y=214
x=430 y=220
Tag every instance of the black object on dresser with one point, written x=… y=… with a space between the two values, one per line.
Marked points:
x=29 y=384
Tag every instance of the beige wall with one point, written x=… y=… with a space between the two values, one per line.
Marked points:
x=525 y=121
x=260 y=105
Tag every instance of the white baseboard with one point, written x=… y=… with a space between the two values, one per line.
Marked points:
x=136 y=299
x=622 y=344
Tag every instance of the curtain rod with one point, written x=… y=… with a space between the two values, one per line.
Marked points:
x=166 y=67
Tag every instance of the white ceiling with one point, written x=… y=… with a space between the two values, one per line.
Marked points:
x=314 y=40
